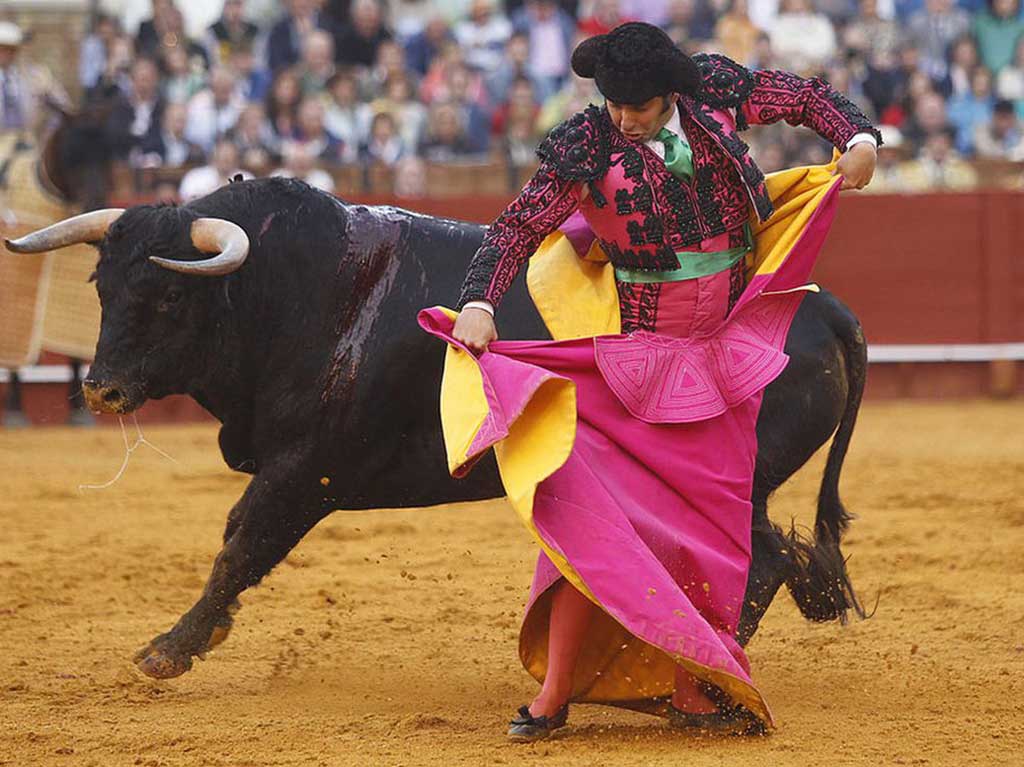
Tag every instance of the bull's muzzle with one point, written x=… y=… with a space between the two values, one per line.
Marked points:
x=102 y=397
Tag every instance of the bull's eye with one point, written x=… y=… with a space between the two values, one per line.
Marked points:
x=171 y=298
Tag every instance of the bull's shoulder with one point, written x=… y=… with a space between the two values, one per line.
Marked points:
x=578 y=148
x=725 y=84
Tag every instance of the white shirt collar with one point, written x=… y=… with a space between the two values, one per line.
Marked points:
x=674 y=126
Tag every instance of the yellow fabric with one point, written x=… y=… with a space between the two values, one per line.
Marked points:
x=538 y=443
x=577 y=299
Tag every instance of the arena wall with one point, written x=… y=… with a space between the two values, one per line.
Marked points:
x=932 y=277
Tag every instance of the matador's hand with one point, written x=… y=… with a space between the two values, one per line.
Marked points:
x=475 y=328
x=857 y=165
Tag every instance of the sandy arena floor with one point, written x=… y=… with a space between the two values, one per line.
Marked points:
x=389 y=637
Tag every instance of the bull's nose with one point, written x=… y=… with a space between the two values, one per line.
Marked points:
x=103 y=398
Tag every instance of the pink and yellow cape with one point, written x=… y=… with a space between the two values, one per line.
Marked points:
x=630 y=458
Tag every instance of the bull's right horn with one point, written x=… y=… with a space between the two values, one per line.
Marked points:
x=87 y=227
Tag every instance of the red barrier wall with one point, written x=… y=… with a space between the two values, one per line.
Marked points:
x=916 y=269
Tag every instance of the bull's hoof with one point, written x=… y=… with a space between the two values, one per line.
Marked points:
x=159 y=661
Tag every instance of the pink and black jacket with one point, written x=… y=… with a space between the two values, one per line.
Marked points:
x=641 y=214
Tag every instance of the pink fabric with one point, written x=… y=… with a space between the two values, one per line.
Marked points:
x=652 y=507
x=654 y=517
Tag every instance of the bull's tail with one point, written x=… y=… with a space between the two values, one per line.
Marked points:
x=819 y=582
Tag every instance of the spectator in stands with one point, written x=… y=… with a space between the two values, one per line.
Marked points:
x=550 y=31
x=229 y=32
x=963 y=60
x=877 y=38
x=422 y=48
x=283 y=102
x=802 y=39
x=927 y=116
x=95 y=49
x=390 y=64
x=691 y=24
x=311 y=133
x=577 y=93
x=410 y=17
x=736 y=34
x=214 y=111
x=346 y=117
x=967 y=111
x=300 y=163
x=517 y=129
x=515 y=64
x=1010 y=81
x=25 y=87
x=939 y=166
x=998 y=29
x=464 y=91
x=604 y=16
x=1002 y=137
x=385 y=145
x=764 y=56
x=167 y=28
x=483 y=36
x=169 y=148
x=889 y=175
x=116 y=78
x=409 y=114
x=135 y=117
x=181 y=81
x=253 y=79
x=255 y=139
x=933 y=30
x=520 y=99
x=317 y=65
x=434 y=85
x=888 y=88
x=445 y=139
x=841 y=12
x=284 y=42
x=652 y=11
x=222 y=168
x=358 y=41
x=411 y=177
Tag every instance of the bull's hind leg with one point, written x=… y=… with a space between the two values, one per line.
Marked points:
x=770 y=565
x=265 y=524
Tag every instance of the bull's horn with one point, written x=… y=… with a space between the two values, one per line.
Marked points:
x=212 y=235
x=87 y=227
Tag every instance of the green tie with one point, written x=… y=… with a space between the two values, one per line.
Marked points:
x=678 y=155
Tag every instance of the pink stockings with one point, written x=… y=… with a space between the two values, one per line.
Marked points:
x=571 y=612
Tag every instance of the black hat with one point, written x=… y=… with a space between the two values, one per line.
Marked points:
x=634 y=63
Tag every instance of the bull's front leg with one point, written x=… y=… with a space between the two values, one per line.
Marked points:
x=267 y=522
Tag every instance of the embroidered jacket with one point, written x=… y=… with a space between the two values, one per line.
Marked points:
x=641 y=214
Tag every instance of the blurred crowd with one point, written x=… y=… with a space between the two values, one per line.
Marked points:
x=321 y=84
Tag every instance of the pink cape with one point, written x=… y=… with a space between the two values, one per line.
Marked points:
x=650 y=513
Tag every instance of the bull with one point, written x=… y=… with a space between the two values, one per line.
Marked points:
x=290 y=316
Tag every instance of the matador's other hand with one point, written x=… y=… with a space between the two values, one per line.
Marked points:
x=857 y=165
x=475 y=328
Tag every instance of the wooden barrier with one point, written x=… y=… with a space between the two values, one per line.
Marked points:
x=916 y=269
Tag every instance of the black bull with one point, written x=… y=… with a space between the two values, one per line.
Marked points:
x=310 y=357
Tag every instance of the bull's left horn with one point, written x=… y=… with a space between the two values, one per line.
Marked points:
x=87 y=227
x=212 y=235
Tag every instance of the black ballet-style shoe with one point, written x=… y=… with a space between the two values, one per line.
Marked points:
x=527 y=728
x=733 y=720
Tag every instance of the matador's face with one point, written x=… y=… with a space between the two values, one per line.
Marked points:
x=641 y=122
